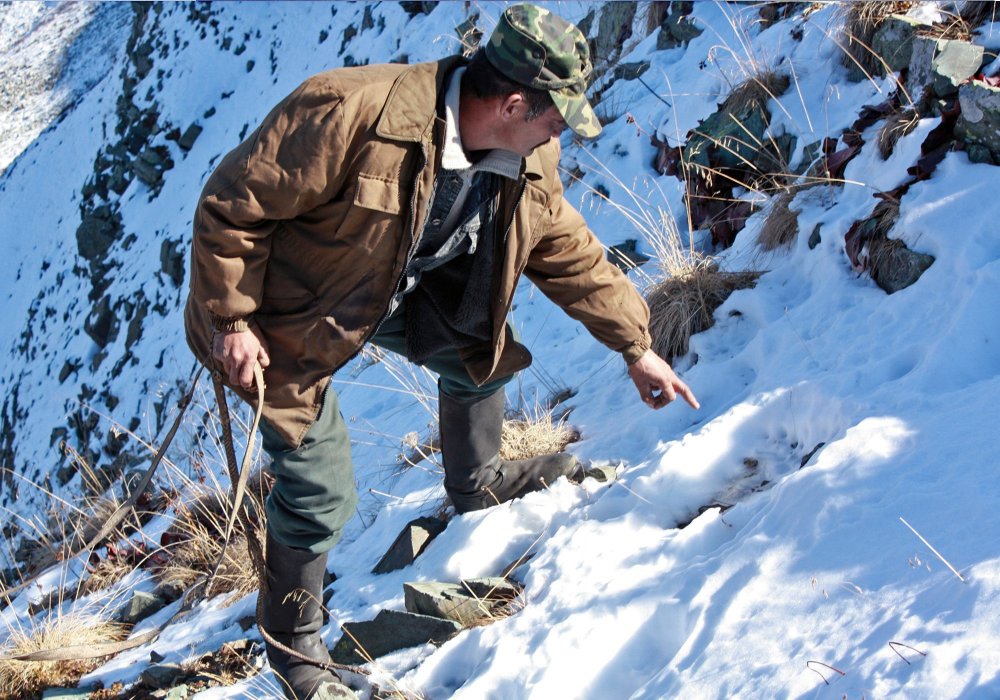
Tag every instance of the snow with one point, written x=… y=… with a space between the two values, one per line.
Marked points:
x=783 y=563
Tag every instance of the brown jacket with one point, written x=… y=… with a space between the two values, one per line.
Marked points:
x=307 y=225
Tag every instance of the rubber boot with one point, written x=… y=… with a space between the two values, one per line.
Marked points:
x=475 y=476
x=292 y=615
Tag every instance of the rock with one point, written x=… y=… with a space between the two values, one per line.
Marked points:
x=101 y=325
x=893 y=41
x=190 y=135
x=493 y=588
x=161 y=675
x=98 y=231
x=415 y=8
x=409 y=544
x=172 y=260
x=979 y=123
x=68 y=368
x=454 y=601
x=67 y=693
x=390 y=631
x=814 y=237
x=151 y=164
x=134 y=331
x=894 y=266
x=677 y=29
x=179 y=692
x=626 y=255
x=469 y=33
x=604 y=474
x=630 y=71
x=140 y=607
x=613 y=27
x=942 y=64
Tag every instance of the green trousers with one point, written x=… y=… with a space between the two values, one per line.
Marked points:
x=314 y=493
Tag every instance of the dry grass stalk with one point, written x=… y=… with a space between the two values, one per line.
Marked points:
x=960 y=26
x=781 y=225
x=195 y=542
x=24 y=679
x=897 y=125
x=755 y=91
x=537 y=432
x=682 y=306
x=105 y=574
x=860 y=25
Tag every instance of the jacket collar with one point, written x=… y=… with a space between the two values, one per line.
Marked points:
x=411 y=107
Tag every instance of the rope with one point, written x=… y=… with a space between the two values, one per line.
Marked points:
x=238 y=476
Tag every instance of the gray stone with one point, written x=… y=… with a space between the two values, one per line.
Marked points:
x=894 y=267
x=814 y=237
x=676 y=29
x=614 y=26
x=98 y=231
x=626 y=255
x=409 y=544
x=190 y=135
x=451 y=601
x=67 y=693
x=495 y=588
x=942 y=64
x=161 y=675
x=140 y=607
x=605 y=474
x=979 y=122
x=172 y=260
x=390 y=631
x=102 y=324
x=630 y=71
x=179 y=692
x=893 y=41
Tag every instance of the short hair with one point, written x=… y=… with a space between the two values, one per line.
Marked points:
x=484 y=81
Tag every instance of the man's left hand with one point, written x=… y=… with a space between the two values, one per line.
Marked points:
x=657 y=383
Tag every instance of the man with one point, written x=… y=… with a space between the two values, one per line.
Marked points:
x=399 y=205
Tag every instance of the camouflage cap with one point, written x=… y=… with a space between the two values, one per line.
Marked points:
x=537 y=48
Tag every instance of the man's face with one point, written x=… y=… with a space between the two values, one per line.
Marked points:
x=523 y=137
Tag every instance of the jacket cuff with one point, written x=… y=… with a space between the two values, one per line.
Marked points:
x=231 y=324
x=633 y=352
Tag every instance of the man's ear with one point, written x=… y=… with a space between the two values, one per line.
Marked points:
x=513 y=106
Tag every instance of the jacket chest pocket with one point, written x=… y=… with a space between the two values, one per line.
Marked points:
x=378 y=193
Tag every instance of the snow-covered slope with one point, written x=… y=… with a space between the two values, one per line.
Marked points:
x=831 y=411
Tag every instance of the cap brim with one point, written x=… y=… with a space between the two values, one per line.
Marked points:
x=577 y=112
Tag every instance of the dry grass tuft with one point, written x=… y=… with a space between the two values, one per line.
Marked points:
x=536 y=432
x=24 y=679
x=897 y=125
x=781 y=225
x=755 y=91
x=105 y=574
x=679 y=307
x=194 y=543
x=860 y=25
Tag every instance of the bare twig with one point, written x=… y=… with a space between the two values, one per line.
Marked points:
x=936 y=553
x=837 y=670
x=893 y=645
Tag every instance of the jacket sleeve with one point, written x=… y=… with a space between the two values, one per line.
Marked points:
x=288 y=166
x=569 y=265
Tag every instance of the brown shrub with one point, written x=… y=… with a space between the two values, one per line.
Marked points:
x=682 y=306
x=781 y=225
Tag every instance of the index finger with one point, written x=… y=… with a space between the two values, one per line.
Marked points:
x=688 y=395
